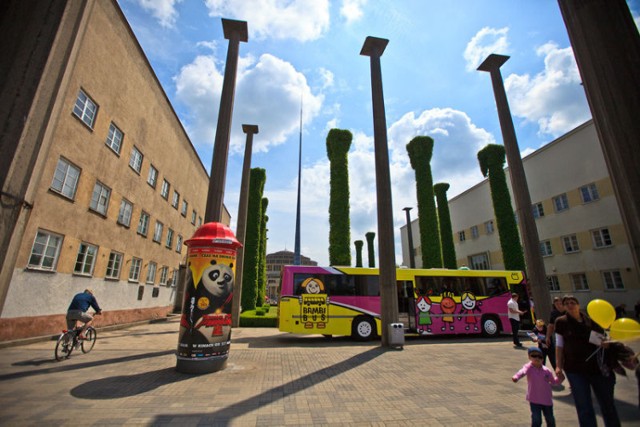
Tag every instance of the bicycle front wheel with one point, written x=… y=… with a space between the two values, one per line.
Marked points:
x=64 y=346
x=90 y=341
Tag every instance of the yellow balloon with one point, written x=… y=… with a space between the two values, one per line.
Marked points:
x=602 y=312
x=625 y=329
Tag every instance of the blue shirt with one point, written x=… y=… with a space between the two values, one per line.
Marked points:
x=83 y=301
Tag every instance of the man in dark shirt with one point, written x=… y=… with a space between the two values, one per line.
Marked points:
x=78 y=310
x=556 y=311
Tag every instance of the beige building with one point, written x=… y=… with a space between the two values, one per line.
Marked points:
x=275 y=262
x=107 y=183
x=582 y=237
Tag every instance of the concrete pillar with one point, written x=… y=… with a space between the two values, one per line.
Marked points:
x=536 y=274
x=235 y=32
x=606 y=45
x=412 y=258
x=241 y=229
x=374 y=47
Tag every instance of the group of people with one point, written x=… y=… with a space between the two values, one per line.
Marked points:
x=577 y=351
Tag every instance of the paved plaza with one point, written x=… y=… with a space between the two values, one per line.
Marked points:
x=275 y=379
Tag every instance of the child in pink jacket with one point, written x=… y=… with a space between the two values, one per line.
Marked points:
x=539 y=381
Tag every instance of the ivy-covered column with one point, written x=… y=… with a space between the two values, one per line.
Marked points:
x=359 y=244
x=257 y=179
x=262 y=254
x=370 y=250
x=446 y=233
x=420 y=150
x=338 y=144
x=491 y=159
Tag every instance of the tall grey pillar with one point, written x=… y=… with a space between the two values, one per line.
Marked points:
x=606 y=45
x=235 y=32
x=412 y=259
x=374 y=47
x=241 y=229
x=537 y=277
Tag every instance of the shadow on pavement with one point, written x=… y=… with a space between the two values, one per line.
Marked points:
x=627 y=412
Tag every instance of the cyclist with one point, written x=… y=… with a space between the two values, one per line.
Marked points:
x=78 y=310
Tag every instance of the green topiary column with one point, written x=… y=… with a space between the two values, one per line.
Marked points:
x=446 y=233
x=359 y=244
x=372 y=256
x=420 y=150
x=338 y=143
x=491 y=159
x=257 y=179
x=262 y=254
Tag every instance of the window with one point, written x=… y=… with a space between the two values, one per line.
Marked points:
x=489 y=227
x=134 y=271
x=176 y=199
x=164 y=192
x=86 y=259
x=199 y=221
x=85 y=109
x=169 y=243
x=114 y=138
x=152 y=179
x=114 y=265
x=143 y=224
x=579 y=282
x=612 y=280
x=45 y=251
x=174 y=278
x=474 y=232
x=480 y=262
x=193 y=217
x=538 y=210
x=589 y=193
x=164 y=272
x=601 y=238
x=151 y=273
x=461 y=236
x=135 y=161
x=561 y=203
x=570 y=244
x=545 y=248
x=157 y=233
x=124 y=216
x=65 y=179
x=185 y=206
x=179 y=244
x=100 y=198
x=553 y=283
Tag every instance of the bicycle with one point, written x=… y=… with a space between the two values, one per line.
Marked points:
x=69 y=340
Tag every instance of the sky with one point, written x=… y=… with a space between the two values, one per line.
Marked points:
x=308 y=52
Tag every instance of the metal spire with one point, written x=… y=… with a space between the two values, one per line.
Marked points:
x=296 y=252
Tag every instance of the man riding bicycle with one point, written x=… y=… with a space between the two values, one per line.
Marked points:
x=78 y=310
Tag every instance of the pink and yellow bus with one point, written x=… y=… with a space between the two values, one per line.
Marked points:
x=346 y=301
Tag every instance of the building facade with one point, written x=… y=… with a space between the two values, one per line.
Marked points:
x=109 y=183
x=275 y=262
x=582 y=237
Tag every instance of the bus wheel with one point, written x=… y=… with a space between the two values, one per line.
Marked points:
x=363 y=329
x=490 y=326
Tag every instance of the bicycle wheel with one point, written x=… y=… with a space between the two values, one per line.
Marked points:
x=64 y=346
x=90 y=341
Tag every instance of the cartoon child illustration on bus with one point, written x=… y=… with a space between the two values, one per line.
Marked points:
x=424 y=317
x=313 y=286
x=469 y=307
x=448 y=307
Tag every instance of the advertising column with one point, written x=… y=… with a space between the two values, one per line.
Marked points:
x=205 y=325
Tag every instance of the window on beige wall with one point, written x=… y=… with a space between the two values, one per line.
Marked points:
x=100 y=198
x=114 y=265
x=86 y=259
x=65 y=179
x=554 y=284
x=489 y=227
x=157 y=232
x=538 y=210
x=135 y=161
x=570 y=244
x=601 y=238
x=589 y=193
x=114 y=138
x=45 y=250
x=474 y=232
x=85 y=109
x=176 y=199
x=579 y=282
x=151 y=272
x=124 y=215
x=143 y=224
x=134 y=270
x=545 y=248
x=164 y=192
x=152 y=178
x=612 y=280
x=561 y=203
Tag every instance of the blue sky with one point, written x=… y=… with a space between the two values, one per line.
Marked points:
x=310 y=48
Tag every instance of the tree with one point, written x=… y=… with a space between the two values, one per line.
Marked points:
x=491 y=159
x=444 y=220
x=257 y=178
x=359 y=244
x=262 y=254
x=372 y=256
x=338 y=143
x=420 y=150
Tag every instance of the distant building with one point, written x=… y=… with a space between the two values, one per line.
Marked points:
x=275 y=261
x=582 y=237
x=101 y=185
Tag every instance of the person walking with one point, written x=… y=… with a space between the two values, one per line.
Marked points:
x=556 y=311
x=514 y=313
x=77 y=310
x=578 y=343
x=539 y=382
x=539 y=336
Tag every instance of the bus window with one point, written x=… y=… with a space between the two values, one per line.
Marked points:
x=495 y=285
x=340 y=285
x=450 y=284
x=426 y=285
x=473 y=285
x=367 y=286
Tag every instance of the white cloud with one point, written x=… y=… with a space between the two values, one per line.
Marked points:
x=267 y=94
x=351 y=10
x=163 y=10
x=553 y=98
x=326 y=77
x=485 y=42
x=302 y=20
